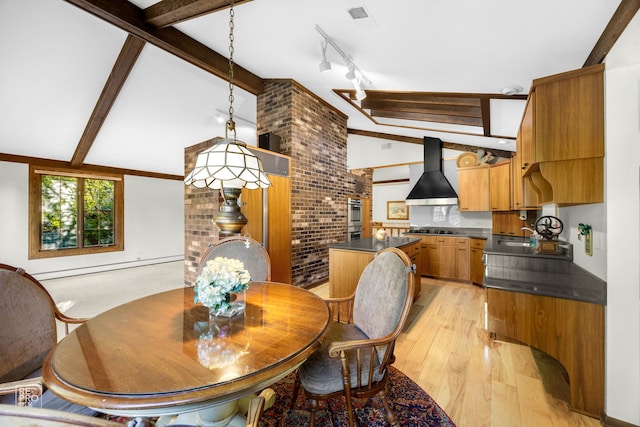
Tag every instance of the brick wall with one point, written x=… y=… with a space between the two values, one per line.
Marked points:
x=200 y=206
x=314 y=135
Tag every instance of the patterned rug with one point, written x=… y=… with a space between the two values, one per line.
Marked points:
x=412 y=405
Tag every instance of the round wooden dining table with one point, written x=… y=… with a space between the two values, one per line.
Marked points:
x=161 y=354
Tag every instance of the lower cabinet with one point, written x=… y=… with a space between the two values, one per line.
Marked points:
x=476 y=268
x=448 y=257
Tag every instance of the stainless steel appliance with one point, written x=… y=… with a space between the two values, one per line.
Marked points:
x=354 y=219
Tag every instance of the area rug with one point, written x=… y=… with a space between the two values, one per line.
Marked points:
x=412 y=405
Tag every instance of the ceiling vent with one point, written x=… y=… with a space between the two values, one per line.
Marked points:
x=358 y=13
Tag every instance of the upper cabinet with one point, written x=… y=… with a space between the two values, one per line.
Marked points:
x=561 y=139
x=473 y=189
x=500 y=186
x=569 y=115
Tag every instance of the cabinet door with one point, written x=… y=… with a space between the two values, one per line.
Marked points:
x=517 y=197
x=569 y=115
x=500 y=187
x=473 y=189
x=434 y=259
x=476 y=266
x=527 y=135
x=462 y=259
x=423 y=259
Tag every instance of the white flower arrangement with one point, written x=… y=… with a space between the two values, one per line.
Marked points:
x=218 y=279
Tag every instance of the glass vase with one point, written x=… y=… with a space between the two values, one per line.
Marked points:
x=235 y=305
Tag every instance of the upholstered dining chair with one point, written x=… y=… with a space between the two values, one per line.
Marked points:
x=28 y=317
x=251 y=252
x=354 y=357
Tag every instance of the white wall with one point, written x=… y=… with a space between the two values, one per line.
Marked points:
x=622 y=98
x=154 y=226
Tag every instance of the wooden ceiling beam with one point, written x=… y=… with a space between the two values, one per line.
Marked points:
x=121 y=69
x=170 y=12
x=130 y=18
x=486 y=117
x=448 y=98
x=433 y=118
x=453 y=110
x=619 y=21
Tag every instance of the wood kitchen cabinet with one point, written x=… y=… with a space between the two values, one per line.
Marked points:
x=476 y=266
x=561 y=139
x=569 y=115
x=510 y=224
x=473 y=189
x=570 y=331
x=500 y=186
x=462 y=270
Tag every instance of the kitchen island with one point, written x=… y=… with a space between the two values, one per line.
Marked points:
x=347 y=260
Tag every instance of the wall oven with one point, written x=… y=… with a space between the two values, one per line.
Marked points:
x=354 y=219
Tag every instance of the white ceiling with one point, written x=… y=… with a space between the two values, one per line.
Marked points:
x=55 y=60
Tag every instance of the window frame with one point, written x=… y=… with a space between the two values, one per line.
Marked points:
x=35 y=212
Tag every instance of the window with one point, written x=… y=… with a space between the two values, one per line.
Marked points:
x=73 y=213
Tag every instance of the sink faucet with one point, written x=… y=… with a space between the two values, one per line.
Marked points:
x=528 y=229
x=533 y=238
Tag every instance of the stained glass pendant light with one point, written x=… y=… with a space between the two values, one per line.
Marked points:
x=228 y=166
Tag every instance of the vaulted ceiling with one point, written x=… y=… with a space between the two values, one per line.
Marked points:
x=130 y=84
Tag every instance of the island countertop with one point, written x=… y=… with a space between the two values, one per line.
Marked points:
x=372 y=245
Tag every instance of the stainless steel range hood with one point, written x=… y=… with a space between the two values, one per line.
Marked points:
x=433 y=188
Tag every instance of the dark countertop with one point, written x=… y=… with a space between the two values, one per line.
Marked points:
x=518 y=269
x=476 y=233
x=495 y=245
x=372 y=245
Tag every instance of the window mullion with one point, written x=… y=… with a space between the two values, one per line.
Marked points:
x=80 y=210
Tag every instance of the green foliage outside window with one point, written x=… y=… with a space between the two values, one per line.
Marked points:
x=63 y=218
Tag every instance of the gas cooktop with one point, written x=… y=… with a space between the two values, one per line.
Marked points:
x=425 y=230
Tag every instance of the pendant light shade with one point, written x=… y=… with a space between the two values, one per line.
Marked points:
x=230 y=164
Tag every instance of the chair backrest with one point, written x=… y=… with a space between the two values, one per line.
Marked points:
x=27 y=316
x=384 y=295
x=251 y=252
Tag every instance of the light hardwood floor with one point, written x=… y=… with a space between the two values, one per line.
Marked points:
x=476 y=380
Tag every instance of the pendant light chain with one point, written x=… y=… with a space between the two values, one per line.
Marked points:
x=231 y=124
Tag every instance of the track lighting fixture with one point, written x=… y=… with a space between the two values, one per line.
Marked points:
x=354 y=71
x=324 y=65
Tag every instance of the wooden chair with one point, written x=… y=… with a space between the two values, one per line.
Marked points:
x=251 y=252
x=354 y=357
x=28 y=317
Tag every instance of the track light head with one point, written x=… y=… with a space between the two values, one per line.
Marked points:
x=351 y=74
x=324 y=65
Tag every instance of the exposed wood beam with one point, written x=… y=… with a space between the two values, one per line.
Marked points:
x=486 y=116
x=619 y=21
x=38 y=161
x=432 y=118
x=169 y=12
x=121 y=69
x=420 y=141
x=130 y=18
x=413 y=107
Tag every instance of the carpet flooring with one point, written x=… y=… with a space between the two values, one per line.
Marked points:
x=412 y=405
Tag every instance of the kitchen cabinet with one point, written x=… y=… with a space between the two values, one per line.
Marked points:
x=561 y=139
x=569 y=115
x=462 y=260
x=444 y=262
x=500 y=186
x=473 y=189
x=570 y=331
x=510 y=224
x=476 y=266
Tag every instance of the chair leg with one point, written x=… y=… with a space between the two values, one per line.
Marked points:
x=346 y=383
x=312 y=416
x=388 y=412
